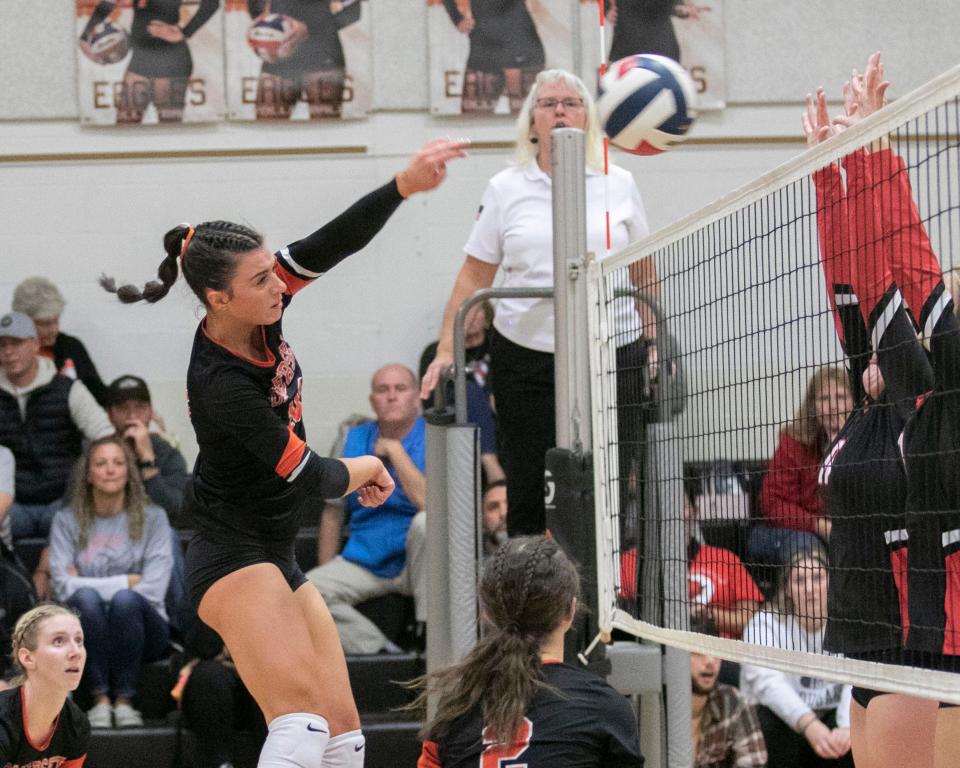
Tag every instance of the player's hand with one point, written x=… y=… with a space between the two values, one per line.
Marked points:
x=815 y=120
x=171 y=33
x=818 y=736
x=428 y=167
x=377 y=490
x=440 y=365
x=840 y=738
x=690 y=11
x=297 y=34
x=466 y=25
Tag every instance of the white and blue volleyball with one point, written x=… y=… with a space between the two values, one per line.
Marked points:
x=267 y=34
x=108 y=43
x=646 y=103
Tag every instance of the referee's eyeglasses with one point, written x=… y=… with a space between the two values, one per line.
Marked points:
x=571 y=103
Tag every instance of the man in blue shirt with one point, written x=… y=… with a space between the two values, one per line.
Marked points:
x=385 y=549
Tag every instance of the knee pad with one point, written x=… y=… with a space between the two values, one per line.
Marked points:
x=345 y=751
x=297 y=740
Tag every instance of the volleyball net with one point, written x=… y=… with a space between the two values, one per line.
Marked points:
x=756 y=294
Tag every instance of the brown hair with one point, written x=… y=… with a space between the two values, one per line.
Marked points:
x=27 y=630
x=805 y=427
x=81 y=493
x=526 y=591
x=782 y=603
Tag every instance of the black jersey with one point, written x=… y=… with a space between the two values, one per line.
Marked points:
x=644 y=26
x=931 y=449
x=588 y=724
x=254 y=468
x=320 y=50
x=145 y=11
x=66 y=748
x=504 y=36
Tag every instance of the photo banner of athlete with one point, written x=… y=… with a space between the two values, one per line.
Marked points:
x=143 y=62
x=688 y=32
x=485 y=54
x=298 y=59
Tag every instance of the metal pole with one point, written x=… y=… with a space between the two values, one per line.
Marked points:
x=571 y=361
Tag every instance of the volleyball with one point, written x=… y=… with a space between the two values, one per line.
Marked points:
x=107 y=43
x=267 y=34
x=646 y=103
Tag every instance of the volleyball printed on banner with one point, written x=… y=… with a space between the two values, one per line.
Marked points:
x=646 y=103
x=107 y=43
x=267 y=34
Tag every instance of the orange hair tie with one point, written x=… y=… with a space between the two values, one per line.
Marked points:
x=186 y=243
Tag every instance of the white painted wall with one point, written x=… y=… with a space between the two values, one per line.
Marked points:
x=73 y=220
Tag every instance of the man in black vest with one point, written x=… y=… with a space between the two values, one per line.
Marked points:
x=44 y=417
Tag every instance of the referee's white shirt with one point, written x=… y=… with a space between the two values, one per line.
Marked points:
x=514 y=229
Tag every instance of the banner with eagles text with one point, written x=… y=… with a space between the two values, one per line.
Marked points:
x=143 y=62
x=298 y=59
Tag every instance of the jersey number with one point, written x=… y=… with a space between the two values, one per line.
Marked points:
x=499 y=755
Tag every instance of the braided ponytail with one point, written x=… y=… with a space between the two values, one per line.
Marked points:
x=207 y=257
x=526 y=591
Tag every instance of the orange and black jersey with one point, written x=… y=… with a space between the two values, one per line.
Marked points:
x=66 y=747
x=587 y=724
x=254 y=468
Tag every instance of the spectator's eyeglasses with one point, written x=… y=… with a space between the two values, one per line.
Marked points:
x=571 y=103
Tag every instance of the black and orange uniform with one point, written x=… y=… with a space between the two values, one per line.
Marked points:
x=320 y=50
x=876 y=262
x=643 y=26
x=583 y=723
x=254 y=469
x=504 y=35
x=66 y=747
x=152 y=56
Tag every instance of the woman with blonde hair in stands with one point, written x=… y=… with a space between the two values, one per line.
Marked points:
x=39 y=724
x=790 y=505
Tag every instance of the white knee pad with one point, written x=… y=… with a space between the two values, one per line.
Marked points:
x=297 y=740
x=345 y=751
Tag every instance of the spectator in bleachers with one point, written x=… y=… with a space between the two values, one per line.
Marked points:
x=726 y=733
x=805 y=721
x=162 y=467
x=494 y=508
x=479 y=398
x=110 y=558
x=790 y=502
x=41 y=300
x=385 y=548
x=216 y=705
x=44 y=417
x=720 y=587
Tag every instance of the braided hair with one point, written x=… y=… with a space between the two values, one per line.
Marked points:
x=207 y=256
x=27 y=631
x=526 y=591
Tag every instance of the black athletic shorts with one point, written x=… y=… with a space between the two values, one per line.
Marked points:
x=207 y=562
x=168 y=60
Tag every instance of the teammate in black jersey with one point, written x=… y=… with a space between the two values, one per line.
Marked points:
x=311 y=66
x=39 y=725
x=160 y=68
x=254 y=469
x=877 y=262
x=512 y=701
x=505 y=52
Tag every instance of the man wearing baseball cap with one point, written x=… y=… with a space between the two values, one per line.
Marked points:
x=162 y=467
x=44 y=418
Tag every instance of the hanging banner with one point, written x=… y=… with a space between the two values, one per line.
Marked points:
x=298 y=59
x=143 y=62
x=688 y=32
x=485 y=54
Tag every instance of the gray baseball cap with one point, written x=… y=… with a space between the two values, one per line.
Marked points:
x=18 y=326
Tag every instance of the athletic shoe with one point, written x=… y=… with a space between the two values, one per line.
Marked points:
x=126 y=716
x=99 y=715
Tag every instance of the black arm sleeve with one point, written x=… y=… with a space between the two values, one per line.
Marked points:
x=202 y=16
x=347 y=233
x=103 y=9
